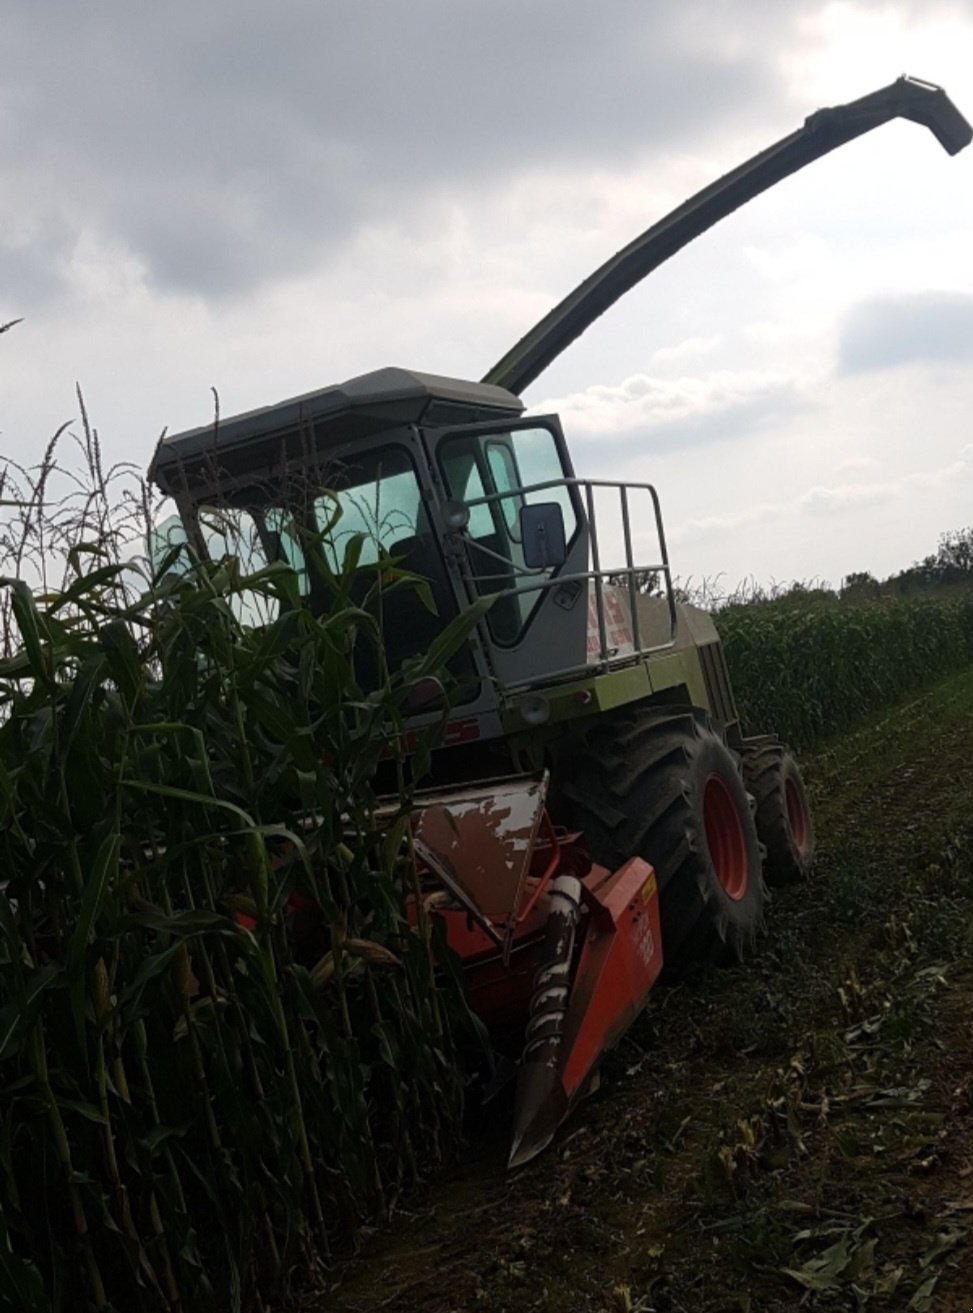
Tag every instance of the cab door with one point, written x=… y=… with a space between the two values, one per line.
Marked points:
x=537 y=627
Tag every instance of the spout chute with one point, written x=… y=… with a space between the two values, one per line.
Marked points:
x=824 y=131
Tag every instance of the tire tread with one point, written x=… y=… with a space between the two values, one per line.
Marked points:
x=630 y=791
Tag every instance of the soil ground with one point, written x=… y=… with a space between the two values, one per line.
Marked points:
x=796 y=1132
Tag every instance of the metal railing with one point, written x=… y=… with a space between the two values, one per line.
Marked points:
x=543 y=580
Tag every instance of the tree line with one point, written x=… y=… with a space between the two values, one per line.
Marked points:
x=950 y=564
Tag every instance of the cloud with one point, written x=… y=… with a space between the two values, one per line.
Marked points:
x=857 y=464
x=821 y=500
x=827 y=500
x=896 y=330
x=689 y=411
x=816 y=501
x=690 y=349
x=713 y=525
x=226 y=145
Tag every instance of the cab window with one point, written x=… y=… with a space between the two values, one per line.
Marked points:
x=476 y=465
x=505 y=477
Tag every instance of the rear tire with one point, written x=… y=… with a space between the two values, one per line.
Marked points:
x=782 y=812
x=664 y=786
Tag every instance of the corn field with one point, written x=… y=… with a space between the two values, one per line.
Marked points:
x=222 y=1045
x=806 y=670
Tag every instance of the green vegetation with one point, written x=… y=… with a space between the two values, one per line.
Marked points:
x=221 y=1045
x=951 y=563
x=807 y=667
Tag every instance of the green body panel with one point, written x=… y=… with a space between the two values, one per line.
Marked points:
x=681 y=668
x=580 y=698
x=678 y=671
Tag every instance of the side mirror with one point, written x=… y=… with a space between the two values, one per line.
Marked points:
x=542 y=535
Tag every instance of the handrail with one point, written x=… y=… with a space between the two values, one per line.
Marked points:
x=533 y=580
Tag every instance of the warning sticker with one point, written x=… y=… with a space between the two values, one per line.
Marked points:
x=618 y=623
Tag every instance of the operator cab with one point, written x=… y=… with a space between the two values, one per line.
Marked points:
x=448 y=478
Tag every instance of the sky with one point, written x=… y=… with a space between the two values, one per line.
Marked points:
x=267 y=198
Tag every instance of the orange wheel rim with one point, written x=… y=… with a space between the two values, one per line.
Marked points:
x=725 y=838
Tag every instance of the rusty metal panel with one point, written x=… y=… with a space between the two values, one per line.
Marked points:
x=478 y=841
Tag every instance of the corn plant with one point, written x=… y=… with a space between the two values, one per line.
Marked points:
x=808 y=670
x=224 y=1041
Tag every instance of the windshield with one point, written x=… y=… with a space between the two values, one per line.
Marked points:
x=374 y=500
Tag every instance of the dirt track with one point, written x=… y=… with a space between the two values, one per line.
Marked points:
x=794 y=1132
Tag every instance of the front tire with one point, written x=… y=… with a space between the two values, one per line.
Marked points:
x=664 y=786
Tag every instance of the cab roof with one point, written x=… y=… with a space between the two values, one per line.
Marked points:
x=305 y=427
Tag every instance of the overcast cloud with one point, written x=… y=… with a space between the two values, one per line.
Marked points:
x=888 y=331
x=267 y=198
x=223 y=144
